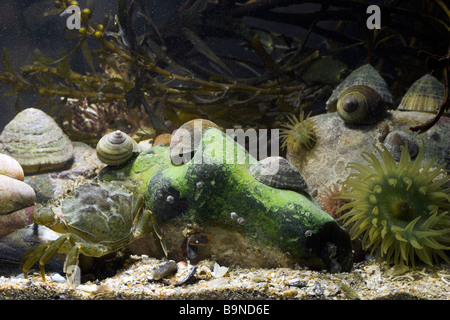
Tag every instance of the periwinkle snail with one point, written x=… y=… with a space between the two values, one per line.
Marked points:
x=362 y=98
x=116 y=148
x=361 y=104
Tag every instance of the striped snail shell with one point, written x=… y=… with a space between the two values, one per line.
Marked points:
x=278 y=173
x=362 y=105
x=365 y=75
x=425 y=95
x=116 y=148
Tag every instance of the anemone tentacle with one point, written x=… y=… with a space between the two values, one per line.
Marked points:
x=299 y=134
x=400 y=209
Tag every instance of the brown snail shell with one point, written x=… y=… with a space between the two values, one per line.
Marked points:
x=365 y=75
x=14 y=195
x=426 y=94
x=185 y=140
x=395 y=140
x=163 y=138
x=361 y=104
x=277 y=172
x=11 y=167
x=116 y=148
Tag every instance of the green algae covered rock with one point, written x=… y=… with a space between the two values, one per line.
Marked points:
x=211 y=205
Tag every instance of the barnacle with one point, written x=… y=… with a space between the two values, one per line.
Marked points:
x=400 y=209
x=299 y=134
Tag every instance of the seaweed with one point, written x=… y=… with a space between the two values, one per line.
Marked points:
x=178 y=70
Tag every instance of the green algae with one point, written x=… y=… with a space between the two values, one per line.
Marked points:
x=217 y=181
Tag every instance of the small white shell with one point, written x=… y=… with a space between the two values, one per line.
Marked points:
x=116 y=148
x=14 y=195
x=11 y=167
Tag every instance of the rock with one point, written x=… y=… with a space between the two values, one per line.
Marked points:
x=51 y=185
x=10 y=167
x=276 y=220
x=14 y=195
x=338 y=144
x=15 y=220
x=36 y=141
x=14 y=245
x=396 y=139
x=165 y=269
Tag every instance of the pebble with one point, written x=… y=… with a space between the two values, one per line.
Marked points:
x=165 y=269
x=396 y=140
x=297 y=283
x=56 y=277
x=429 y=283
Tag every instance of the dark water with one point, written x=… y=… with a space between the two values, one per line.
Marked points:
x=22 y=33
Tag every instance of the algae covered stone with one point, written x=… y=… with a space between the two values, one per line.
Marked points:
x=192 y=204
x=36 y=141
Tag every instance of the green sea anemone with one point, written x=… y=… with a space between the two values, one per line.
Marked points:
x=400 y=209
x=299 y=134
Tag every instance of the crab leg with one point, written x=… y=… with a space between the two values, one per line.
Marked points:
x=31 y=256
x=71 y=260
x=50 y=252
x=46 y=251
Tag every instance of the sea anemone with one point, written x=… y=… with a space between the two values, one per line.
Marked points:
x=299 y=134
x=400 y=210
x=330 y=201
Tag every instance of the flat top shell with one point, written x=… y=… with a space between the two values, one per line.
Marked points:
x=365 y=75
x=277 y=172
x=426 y=94
x=33 y=138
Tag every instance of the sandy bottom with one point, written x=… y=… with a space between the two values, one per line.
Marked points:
x=368 y=280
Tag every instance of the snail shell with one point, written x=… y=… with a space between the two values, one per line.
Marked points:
x=365 y=75
x=426 y=94
x=116 y=148
x=277 y=172
x=395 y=140
x=361 y=104
x=162 y=139
x=36 y=141
x=185 y=140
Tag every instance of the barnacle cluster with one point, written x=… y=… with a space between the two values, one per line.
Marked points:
x=299 y=134
x=400 y=209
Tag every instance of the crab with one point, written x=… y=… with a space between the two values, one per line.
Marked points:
x=99 y=219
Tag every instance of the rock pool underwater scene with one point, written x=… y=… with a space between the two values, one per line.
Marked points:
x=200 y=149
